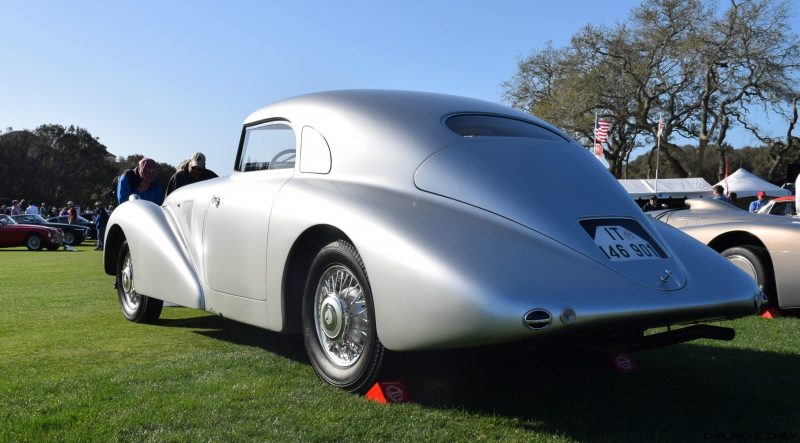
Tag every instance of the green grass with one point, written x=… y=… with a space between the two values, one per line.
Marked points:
x=72 y=369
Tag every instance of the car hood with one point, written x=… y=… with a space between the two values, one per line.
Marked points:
x=553 y=188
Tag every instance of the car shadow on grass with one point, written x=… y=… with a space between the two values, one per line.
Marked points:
x=287 y=345
x=691 y=391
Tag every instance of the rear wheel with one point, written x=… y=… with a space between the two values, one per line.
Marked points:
x=136 y=307
x=752 y=260
x=34 y=242
x=339 y=319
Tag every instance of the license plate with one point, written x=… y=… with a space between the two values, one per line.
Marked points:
x=621 y=244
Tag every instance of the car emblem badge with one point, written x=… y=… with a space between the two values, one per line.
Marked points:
x=667 y=275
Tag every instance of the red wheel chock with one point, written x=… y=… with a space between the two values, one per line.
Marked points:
x=393 y=391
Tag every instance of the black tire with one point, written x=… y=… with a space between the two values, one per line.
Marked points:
x=136 y=307
x=69 y=238
x=753 y=260
x=339 y=322
x=34 y=242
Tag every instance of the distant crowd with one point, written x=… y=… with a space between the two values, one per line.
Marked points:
x=19 y=207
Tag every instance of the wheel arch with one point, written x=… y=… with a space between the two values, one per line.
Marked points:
x=742 y=238
x=114 y=239
x=302 y=253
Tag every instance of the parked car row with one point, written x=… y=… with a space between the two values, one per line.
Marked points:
x=34 y=237
x=74 y=234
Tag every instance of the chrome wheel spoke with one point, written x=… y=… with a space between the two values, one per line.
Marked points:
x=341 y=315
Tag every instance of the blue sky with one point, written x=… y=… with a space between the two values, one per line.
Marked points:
x=169 y=78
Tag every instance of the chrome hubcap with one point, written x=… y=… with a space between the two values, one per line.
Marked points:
x=744 y=264
x=341 y=316
x=130 y=297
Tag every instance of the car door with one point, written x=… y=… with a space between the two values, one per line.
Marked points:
x=5 y=232
x=10 y=233
x=237 y=220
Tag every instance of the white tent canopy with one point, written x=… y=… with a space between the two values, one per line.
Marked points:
x=667 y=187
x=746 y=184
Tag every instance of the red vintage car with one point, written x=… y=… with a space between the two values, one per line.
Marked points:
x=32 y=236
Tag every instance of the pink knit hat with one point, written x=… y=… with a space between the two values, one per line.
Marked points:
x=148 y=168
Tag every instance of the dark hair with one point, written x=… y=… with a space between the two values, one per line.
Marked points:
x=719 y=189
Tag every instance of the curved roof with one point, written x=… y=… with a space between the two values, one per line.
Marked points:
x=382 y=133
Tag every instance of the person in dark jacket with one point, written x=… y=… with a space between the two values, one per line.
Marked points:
x=194 y=171
x=100 y=221
x=141 y=181
x=652 y=205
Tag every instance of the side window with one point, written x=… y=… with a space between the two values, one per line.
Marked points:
x=268 y=146
x=315 y=155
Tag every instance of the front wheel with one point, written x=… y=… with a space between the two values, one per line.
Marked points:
x=339 y=319
x=136 y=307
x=752 y=261
x=34 y=242
x=69 y=238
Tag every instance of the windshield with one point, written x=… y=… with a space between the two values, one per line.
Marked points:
x=30 y=218
x=6 y=220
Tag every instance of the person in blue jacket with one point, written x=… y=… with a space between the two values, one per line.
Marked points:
x=141 y=181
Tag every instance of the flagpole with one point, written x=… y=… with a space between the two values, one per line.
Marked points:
x=658 y=150
x=594 y=133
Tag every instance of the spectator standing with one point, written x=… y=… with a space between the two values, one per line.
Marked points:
x=652 y=205
x=15 y=209
x=32 y=210
x=72 y=214
x=43 y=210
x=194 y=171
x=718 y=193
x=100 y=221
x=141 y=181
x=755 y=205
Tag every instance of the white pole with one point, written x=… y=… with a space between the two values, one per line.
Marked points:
x=658 y=149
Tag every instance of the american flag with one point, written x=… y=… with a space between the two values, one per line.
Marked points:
x=601 y=128
x=660 y=126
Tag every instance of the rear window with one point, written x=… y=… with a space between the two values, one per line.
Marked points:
x=480 y=125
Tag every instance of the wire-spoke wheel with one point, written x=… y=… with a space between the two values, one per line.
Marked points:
x=34 y=242
x=339 y=319
x=136 y=307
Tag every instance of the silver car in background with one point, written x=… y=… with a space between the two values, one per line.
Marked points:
x=372 y=220
x=765 y=246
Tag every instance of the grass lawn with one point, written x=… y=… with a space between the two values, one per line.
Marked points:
x=73 y=369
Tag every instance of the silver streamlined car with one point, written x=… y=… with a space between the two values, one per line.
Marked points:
x=767 y=247
x=409 y=221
